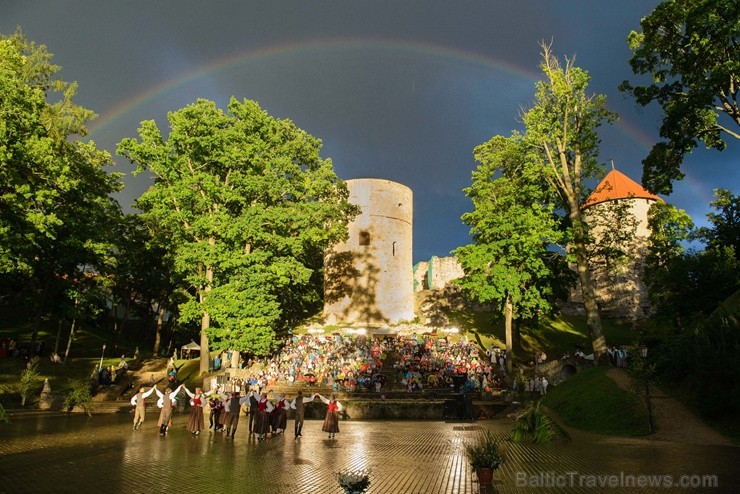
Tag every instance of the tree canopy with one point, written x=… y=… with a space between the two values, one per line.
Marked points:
x=55 y=204
x=542 y=172
x=561 y=133
x=725 y=229
x=512 y=226
x=691 y=51
x=249 y=207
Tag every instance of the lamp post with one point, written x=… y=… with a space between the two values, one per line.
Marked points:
x=100 y=367
x=646 y=376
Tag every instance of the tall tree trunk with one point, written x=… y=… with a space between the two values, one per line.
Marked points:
x=59 y=335
x=593 y=318
x=205 y=322
x=38 y=314
x=508 y=316
x=120 y=326
x=69 y=340
x=159 y=328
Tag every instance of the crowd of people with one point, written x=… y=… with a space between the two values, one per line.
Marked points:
x=356 y=363
x=343 y=363
x=430 y=362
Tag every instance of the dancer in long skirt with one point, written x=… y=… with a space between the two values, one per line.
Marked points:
x=166 y=403
x=262 y=424
x=279 y=416
x=223 y=419
x=331 y=421
x=198 y=401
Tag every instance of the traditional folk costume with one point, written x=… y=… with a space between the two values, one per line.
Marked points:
x=223 y=418
x=197 y=400
x=138 y=401
x=298 y=404
x=279 y=416
x=166 y=403
x=216 y=406
x=253 y=405
x=235 y=408
x=331 y=421
x=262 y=425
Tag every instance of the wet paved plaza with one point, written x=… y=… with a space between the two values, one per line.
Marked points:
x=76 y=454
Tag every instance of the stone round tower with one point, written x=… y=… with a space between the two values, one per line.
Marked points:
x=617 y=215
x=369 y=278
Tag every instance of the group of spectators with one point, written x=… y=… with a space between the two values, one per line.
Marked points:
x=10 y=348
x=431 y=362
x=355 y=363
x=112 y=374
x=344 y=363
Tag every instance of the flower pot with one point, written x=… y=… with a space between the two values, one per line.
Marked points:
x=485 y=476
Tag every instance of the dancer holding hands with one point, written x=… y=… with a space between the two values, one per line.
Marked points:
x=331 y=421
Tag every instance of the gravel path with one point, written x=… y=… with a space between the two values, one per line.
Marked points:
x=674 y=421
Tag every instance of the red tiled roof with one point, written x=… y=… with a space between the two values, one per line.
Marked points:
x=617 y=185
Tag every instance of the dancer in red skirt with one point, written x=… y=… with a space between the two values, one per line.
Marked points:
x=331 y=421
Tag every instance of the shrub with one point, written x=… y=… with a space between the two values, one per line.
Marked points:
x=79 y=396
x=532 y=423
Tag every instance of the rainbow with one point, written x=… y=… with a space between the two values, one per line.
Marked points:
x=263 y=54
x=326 y=46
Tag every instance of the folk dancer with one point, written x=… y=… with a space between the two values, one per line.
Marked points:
x=138 y=401
x=253 y=401
x=331 y=421
x=279 y=415
x=298 y=404
x=262 y=424
x=235 y=408
x=166 y=403
x=198 y=401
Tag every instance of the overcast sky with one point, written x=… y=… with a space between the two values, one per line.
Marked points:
x=400 y=90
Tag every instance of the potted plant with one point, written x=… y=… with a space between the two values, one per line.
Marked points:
x=354 y=481
x=484 y=456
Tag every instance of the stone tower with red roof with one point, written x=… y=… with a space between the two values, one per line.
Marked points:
x=617 y=213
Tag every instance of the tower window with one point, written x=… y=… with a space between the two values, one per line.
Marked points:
x=364 y=237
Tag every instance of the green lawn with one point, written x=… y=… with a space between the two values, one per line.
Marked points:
x=591 y=401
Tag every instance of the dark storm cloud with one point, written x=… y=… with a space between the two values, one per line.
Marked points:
x=396 y=90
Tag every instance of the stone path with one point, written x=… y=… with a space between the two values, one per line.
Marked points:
x=76 y=454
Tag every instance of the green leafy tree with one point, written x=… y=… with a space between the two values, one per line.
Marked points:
x=247 y=204
x=145 y=281
x=30 y=379
x=685 y=285
x=665 y=269
x=690 y=50
x=512 y=225
x=55 y=204
x=561 y=135
x=725 y=230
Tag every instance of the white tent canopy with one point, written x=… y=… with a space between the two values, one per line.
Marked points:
x=186 y=351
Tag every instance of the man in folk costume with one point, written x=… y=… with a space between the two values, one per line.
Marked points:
x=253 y=405
x=298 y=404
x=235 y=408
x=138 y=401
x=166 y=403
